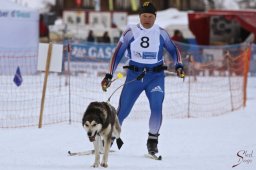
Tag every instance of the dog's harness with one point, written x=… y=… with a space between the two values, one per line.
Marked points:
x=158 y=68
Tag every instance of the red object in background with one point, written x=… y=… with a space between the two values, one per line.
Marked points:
x=43 y=29
x=78 y=2
x=199 y=22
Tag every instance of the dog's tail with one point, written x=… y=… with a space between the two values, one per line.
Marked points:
x=119 y=143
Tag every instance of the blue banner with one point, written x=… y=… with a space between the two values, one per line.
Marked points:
x=92 y=52
x=253 y=61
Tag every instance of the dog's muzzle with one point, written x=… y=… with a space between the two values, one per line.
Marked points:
x=92 y=138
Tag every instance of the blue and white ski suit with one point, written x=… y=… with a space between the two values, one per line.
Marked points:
x=145 y=50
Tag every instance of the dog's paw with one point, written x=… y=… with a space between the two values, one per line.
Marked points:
x=96 y=164
x=104 y=164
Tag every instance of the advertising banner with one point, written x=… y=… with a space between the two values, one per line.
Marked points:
x=91 y=58
x=19 y=37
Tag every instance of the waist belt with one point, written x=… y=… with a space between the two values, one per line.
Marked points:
x=140 y=69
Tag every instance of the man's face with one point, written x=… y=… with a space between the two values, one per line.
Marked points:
x=147 y=20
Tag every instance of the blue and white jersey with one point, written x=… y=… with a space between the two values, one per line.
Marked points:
x=144 y=47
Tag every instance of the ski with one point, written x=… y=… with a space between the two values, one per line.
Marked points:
x=89 y=152
x=153 y=156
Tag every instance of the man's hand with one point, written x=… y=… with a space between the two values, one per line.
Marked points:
x=179 y=70
x=106 y=82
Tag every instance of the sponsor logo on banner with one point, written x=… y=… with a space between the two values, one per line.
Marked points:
x=14 y=14
x=91 y=58
x=91 y=52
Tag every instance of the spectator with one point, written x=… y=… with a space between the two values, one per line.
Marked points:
x=91 y=37
x=105 y=38
x=178 y=36
x=43 y=29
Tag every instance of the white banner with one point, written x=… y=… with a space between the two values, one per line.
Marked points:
x=19 y=37
x=19 y=26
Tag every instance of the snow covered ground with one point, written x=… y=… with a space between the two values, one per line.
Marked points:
x=215 y=143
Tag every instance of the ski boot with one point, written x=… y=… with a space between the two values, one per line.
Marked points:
x=152 y=143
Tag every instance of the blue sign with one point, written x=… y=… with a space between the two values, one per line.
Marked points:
x=92 y=52
x=253 y=60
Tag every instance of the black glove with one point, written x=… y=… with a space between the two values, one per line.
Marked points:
x=180 y=70
x=106 y=82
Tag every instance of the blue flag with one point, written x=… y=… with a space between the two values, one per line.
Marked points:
x=17 y=77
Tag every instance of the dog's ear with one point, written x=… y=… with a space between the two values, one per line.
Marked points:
x=84 y=120
x=102 y=118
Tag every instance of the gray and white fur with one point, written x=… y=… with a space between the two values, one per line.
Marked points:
x=101 y=122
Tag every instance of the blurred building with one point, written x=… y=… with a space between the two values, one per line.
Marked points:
x=130 y=6
x=77 y=17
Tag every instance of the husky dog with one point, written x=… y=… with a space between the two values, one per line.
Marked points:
x=100 y=121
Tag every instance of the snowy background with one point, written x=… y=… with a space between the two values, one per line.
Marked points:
x=185 y=144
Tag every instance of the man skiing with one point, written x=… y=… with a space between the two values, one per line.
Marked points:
x=144 y=43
